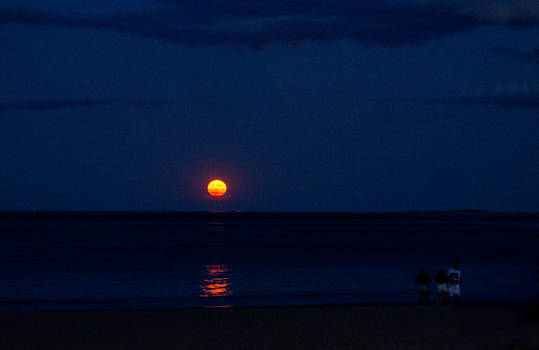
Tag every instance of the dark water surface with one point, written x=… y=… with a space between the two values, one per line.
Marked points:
x=143 y=260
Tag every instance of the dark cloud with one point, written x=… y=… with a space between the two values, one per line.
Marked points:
x=511 y=100
x=503 y=50
x=51 y=104
x=515 y=14
x=530 y=56
x=523 y=23
x=258 y=23
x=525 y=56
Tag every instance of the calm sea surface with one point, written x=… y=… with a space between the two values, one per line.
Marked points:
x=138 y=260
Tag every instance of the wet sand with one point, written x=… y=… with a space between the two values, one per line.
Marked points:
x=466 y=326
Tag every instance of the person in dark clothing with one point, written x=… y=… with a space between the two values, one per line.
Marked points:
x=423 y=280
x=441 y=279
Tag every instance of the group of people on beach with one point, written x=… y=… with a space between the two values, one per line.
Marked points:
x=447 y=285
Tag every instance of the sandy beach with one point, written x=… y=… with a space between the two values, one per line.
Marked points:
x=466 y=326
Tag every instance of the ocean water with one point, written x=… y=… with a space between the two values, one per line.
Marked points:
x=161 y=260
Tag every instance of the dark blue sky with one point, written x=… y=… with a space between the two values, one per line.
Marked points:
x=299 y=105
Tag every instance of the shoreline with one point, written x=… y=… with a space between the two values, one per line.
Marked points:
x=457 y=326
x=26 y=306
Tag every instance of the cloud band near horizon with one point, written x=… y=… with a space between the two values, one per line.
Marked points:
x=258 y=23
x=506 y=101
x=38 y=105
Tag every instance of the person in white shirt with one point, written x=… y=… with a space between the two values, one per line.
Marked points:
x=455 y=277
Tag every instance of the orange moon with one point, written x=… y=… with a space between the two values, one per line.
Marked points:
x=217 y=188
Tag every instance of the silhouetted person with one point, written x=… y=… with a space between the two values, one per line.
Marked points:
x=441 y=279
x=455 y=277
x=423 y=280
